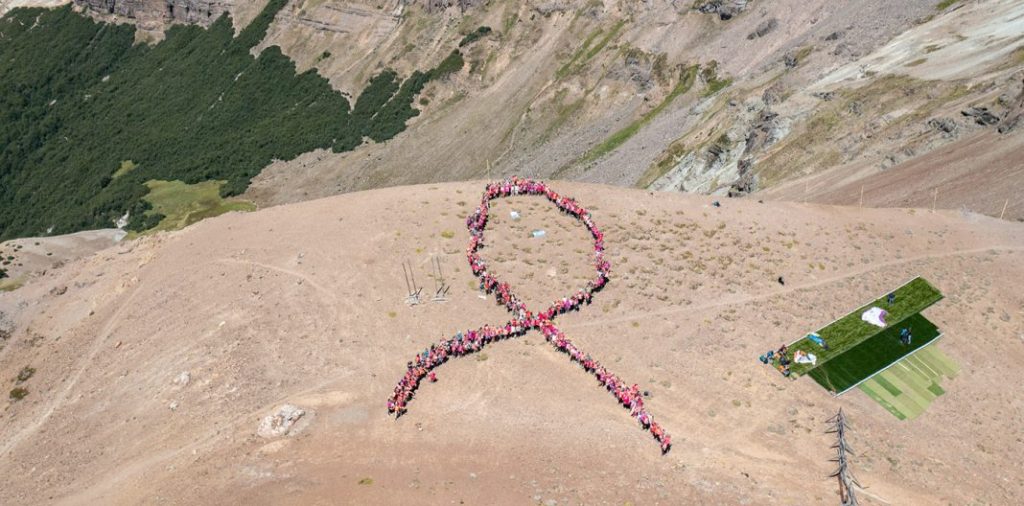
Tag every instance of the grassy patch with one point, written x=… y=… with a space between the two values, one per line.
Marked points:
x=714 y=82
x=11 y=284
x=178 y=205
x=125 y=167
x=944 y=4
x=686 y=79
x=917 y=62
x=589 y=49
x=509 y=22
x=1017 y=56
x=873 y=354
x=366 y=481
x=675 y=152
x=850 y=330
x=447 y=234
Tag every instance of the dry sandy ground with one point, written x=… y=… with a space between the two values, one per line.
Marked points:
x=982 y=172
x=303 y=304
x=36 y=254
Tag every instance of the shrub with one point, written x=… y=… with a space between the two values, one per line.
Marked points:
x=25 y=373
x=475 y=35
x=18 y=393
x=453 y=63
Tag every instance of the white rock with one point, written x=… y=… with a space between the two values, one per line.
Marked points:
x=281 y=422
x=183 y=378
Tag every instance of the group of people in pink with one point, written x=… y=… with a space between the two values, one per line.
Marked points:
x=422 y=366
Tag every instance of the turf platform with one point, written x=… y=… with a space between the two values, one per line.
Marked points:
x=873 y=354
x=850 y=331
x=907 y=388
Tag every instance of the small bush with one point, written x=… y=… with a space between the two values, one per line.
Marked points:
x=447 y=234
x=18 y=393
x=450 y=65
x=25 y=373
x=475 y=35
x=366 y=481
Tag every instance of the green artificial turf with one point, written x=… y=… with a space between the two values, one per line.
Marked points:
x=850 y=330
x=874 y=354
x=908 y=387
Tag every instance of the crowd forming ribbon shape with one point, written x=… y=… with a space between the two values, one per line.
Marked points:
x=524 y=320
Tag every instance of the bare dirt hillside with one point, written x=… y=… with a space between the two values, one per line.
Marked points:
x=156 y=360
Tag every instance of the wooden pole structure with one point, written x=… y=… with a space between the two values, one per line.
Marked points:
x=935 y=198
x=1007 y=201
x=847 y=483
x=405 y=275
x=862 y=195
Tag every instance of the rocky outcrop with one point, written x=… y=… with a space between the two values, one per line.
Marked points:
x=1015 y=109
x=283 y=422
x=747 y=182
x=440 y=5
x=725 y=9
x=763 y=29
x=947 y=126
x=981 y=115
x=160 y=12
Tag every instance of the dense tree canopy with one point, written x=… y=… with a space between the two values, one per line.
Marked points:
x=78 y=98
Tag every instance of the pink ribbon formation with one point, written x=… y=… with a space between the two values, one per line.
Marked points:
x=524 y=320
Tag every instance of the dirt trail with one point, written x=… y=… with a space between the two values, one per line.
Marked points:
x=802 y=287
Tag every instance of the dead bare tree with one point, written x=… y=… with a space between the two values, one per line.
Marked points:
x=847 y=482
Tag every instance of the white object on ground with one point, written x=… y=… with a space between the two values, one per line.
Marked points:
x=280 y=423
x=807 y=358
x=539 y=233
x=514 y=215
x=875 y=316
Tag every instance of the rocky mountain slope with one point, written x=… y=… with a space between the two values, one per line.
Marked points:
x=153 y=363
x=872 y=103
x=605 y=92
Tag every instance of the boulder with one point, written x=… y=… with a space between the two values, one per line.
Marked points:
x=281 y=423
x=947 y=126
x=763 y=29
x=981 y=115
x=726 y=9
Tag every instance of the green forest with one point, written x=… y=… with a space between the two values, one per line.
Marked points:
x=87 y=116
